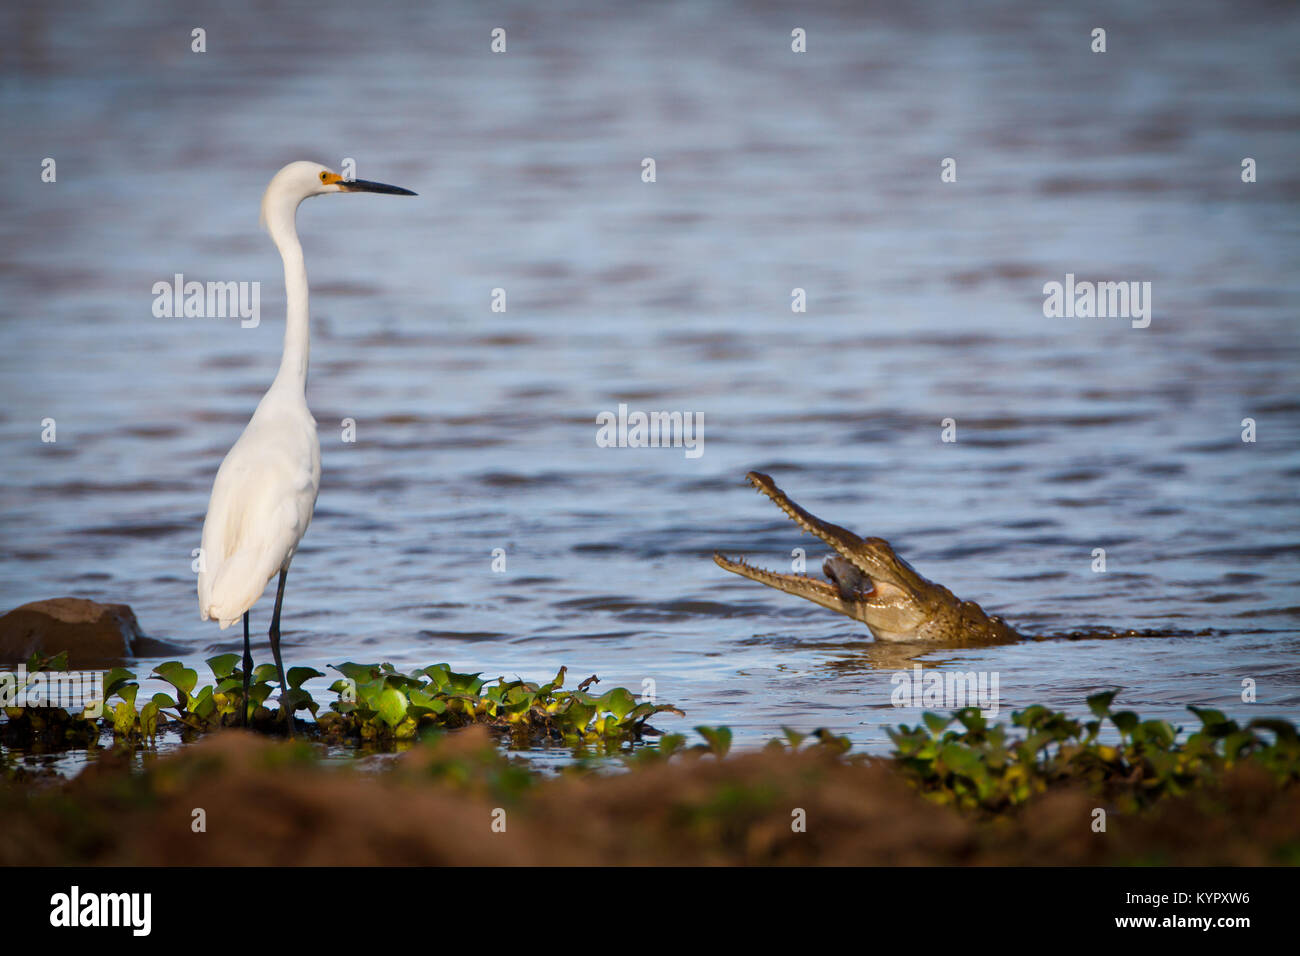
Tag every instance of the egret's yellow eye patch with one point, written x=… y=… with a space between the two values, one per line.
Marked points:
x=327 y=178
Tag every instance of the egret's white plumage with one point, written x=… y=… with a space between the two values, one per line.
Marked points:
x=265 y=489
x=261 y=504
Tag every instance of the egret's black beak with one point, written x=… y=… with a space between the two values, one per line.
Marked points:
x=366 y=186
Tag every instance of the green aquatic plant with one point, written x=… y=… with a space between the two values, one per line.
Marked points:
x=993 y=768
x=717 y=740
x=820 y=740
x=128 y=722
x=219 y=704
x=378 y=702
x=960 y=759
x=43 y=727
x=193 y=708
x=375 y=705
x=717 y=743
x=472 y=763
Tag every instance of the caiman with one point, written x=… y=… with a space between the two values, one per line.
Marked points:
x=868 y=582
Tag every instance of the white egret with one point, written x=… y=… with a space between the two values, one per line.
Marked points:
x=265 y=489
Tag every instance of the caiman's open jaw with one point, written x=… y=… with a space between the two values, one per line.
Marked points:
x=866 y=581
x=871 y=584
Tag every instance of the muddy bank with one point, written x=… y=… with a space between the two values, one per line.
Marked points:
x=263 y=802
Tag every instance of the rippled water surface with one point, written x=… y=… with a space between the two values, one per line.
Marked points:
x=476 y=429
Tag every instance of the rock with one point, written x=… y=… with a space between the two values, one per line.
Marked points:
x=93 y=634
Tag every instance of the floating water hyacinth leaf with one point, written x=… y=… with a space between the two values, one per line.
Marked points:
x=828 y=740
x=466 y=683
x=555 y=684
x=1031 y=716
x=38 y=662
x=438 y=674
x=115 y=679
x=296 y=699
x=203 y=705
x=1125 y=720
x=960 y=759
x=1099 y=704
x=671 y=743
x=390 y=705
x=297 y=676
x=368 y=692
x=181 y=677
x=619 y=702
x=149 y=720
x=717 y=738
x=422 y=700
x=1158 y=731
x=1209 y=716
x=1237 y=743
x=357 y=672
x=124 y=719
x=935 y=722
x=1285 y=732
x=578 y=715
x=223 y=665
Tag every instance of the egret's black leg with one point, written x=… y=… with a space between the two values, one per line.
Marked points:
x=285 y=713
x=248 y=673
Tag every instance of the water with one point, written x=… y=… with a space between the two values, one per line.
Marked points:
x=476 y=430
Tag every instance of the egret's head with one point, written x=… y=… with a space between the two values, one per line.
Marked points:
x=302 y=180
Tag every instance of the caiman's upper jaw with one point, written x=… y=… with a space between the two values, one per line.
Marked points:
x=873 y=557
x=841 y=539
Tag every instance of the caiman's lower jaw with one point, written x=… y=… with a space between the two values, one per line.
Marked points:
x=842 y=592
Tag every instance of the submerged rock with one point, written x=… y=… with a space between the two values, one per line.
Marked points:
x=93 y=634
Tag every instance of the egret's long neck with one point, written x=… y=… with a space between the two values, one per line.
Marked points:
x=297 y=334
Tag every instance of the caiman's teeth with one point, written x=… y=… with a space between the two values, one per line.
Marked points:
x=802 y=583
